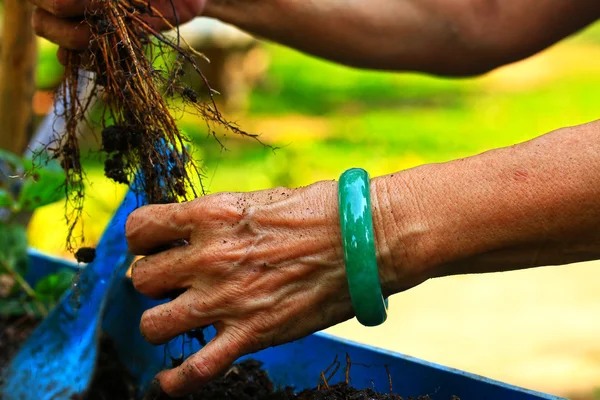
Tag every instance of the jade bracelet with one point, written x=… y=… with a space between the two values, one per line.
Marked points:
x=358 y=240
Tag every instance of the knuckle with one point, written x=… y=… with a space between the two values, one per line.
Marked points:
x=38 y=22
x=251 y=211
x=136 y=276
x=245 y=340
x=261 y=326
x=132 y=225
x=221 y=207
x=263 y=342
x=225 y=198
x=184 y=213
x=203 y=368
x=76 y=40
x=60 y=8
x=150 y=327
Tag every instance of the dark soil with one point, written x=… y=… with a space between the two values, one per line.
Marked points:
x=247 y=381
x=114 y=168
x=85 y=255
x=117 y=138
x=13 y=332
x=243 y=381
x=111 y=379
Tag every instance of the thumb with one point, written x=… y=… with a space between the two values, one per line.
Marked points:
x=220 y=353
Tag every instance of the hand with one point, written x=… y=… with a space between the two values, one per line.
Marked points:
x=263 y=268
x=61 y=21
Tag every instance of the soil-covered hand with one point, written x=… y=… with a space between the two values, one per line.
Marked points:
x=266 y=268
x=263 y=268
x=63 y=22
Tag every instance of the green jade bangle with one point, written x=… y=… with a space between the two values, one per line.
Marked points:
x=358 y=242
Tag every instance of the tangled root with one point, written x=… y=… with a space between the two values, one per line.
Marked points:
x=141 y=143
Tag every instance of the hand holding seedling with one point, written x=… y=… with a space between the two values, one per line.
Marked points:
x=267 y=267
x=62 y=21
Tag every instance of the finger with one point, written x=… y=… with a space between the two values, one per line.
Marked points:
x=220 y=353
x=63 y=8
x=73 y=35
x=63 y=56
x=162 y=323
x=158 y=225
x=158 y=275
x=79 y=58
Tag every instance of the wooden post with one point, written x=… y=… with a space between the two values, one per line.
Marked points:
x=17 y=76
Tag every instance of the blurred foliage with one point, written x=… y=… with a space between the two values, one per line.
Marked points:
x=25 y=185
x=13 y=250
x=50 y=288
x=49 y=71
x=299 y=84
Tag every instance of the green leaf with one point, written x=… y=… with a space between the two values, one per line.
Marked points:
x=16 y=307
x=6 y=199
x=50 y=288
x=11 y=308
x=41 y=185
x=37 y=183
x=13 y=247
x=11 y=167
x=14 y=161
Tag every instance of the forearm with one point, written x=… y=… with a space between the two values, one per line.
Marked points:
x=461 y=37
x=533 y=204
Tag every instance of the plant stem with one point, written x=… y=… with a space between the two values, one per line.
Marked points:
x=25 y=286
x=17 y=80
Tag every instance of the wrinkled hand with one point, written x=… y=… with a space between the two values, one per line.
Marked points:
x=61 y=21
x=263 y=268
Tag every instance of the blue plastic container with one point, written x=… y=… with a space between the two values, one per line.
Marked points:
x=297 y=364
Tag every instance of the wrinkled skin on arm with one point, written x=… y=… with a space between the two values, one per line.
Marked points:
x=443 y=37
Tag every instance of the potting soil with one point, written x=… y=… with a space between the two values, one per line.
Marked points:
x=243 y=381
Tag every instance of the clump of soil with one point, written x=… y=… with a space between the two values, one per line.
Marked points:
x=343 y=391
x=243 y=381
x=85 y=255
x=13 y=332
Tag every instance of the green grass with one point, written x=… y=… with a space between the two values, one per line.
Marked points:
x=49 y=71
x=302 y=84
x=388 y=122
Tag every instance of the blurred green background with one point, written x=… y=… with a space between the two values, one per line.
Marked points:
x=326 y=118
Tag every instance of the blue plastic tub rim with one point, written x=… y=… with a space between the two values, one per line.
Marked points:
x=316 y=352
